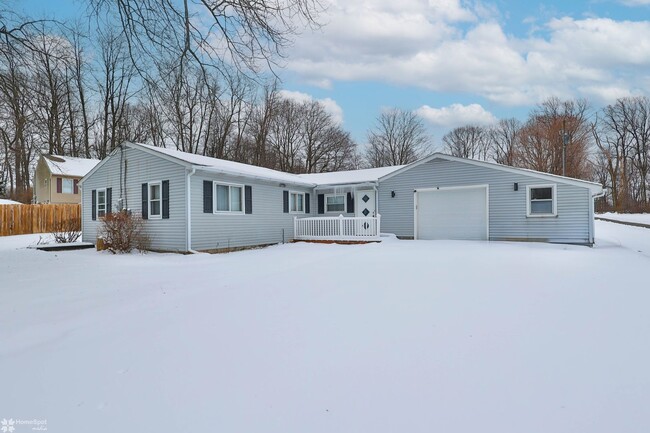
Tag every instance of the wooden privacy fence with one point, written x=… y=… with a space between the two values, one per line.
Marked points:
x=24 y=219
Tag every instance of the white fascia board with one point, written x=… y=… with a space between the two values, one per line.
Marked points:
x=214 y=170
x=345 y=184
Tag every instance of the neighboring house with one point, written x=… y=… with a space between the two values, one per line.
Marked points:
x=194 y=202
x=56 y=178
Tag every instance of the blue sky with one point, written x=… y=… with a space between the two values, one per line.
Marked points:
x=456 y=62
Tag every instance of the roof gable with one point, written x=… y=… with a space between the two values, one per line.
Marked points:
x=595 y=188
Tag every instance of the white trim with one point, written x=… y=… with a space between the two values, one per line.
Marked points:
x=149 y=214
x=553 y=201
x=188 y=187
x=345 y=198
x=448 y=188
x=97 y=216
x=595 y=188
x=592 y=237
x=215 y=183
x=297 y=212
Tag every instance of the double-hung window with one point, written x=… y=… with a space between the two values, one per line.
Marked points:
x=335 y=203
x=297 y=202
x=155 y=200
x=101 y=202
x=67 y=186
x=229 y=198
x=542 y=200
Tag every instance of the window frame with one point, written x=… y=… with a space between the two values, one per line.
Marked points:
x=242 y=203
x=529 y=212
x=65 y=180
x=291 y=200
x=150 y=214
x=336 y=211
x=97 y=202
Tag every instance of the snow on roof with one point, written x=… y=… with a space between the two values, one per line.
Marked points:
x=7 y=201
x=237 y=168
x=230 y=167
x=351 y=176
x=69 y=166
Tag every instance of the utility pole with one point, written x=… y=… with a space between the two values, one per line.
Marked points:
x=565 y=140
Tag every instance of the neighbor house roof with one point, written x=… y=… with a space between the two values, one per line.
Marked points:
x=69 y=166
x=350 y=176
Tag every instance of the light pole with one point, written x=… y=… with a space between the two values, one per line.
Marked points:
x=566 y=137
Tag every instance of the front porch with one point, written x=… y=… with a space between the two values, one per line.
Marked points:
x=337 y=228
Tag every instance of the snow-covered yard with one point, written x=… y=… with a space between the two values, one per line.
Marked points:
x=401 y=336
x=642 y=218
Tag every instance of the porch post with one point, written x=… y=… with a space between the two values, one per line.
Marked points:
x=295 y=228
x=378 y=225
x=341 y=225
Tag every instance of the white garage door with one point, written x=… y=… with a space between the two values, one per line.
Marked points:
x=452 y=213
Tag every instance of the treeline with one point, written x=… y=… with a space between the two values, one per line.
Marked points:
x=79 y=96
x=610 y=146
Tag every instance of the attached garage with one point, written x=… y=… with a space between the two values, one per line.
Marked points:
x=452 y=213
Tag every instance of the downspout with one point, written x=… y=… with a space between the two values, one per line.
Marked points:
x=189 y=210
x=592 y=208
x=81 y=191
x=376 y=200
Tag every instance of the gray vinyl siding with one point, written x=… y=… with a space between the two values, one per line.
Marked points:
x=339 y=191
x=268 y=224
x=507 y=208
x=166 y=234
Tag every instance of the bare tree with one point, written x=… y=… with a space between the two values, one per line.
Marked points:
x=399 y=137
x=471 y=141
x=115 y=81
x=504 y=139
x=286 y=135
x=542 y=139
x=217 y=33
x=638 y=125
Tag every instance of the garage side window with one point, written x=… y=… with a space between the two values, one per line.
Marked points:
x=542 y=201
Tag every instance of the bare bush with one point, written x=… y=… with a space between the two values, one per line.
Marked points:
x=123 y=232
x=67 y=230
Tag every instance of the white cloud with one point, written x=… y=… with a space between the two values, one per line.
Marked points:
x=456 y=115
x=328 y=104
x=636 y=2
x=422 y=44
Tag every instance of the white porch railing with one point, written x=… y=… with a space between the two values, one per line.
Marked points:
x=337 y=228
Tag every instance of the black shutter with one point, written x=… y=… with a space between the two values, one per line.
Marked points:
x=307 y=204
x=321 y=203
x=145 y=201
x=94 y=205
x=285 y=201
x=109 y=200
x=207 y=196
x=248 y=199
x=350 y=204
x=165 y=199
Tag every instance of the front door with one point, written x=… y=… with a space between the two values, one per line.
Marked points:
x=365 y=204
